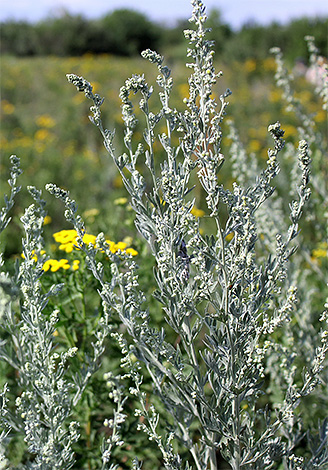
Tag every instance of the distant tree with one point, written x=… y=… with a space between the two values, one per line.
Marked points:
x=296 y=30
x=66 y=35
x=253 y=41
x=18 y=38
x=127 y=32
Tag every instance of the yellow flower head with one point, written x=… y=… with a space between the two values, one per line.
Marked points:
x=7 y=107
x=120 y=246
x=42 y=134
x=67 y=242
x=76 y=264
x=47 y=220
x=321 y=251
x=67 y=247
x=66 y=239
x=131 y=251
x=121 y=201
x=89 y=239
x=54 y=265
x=45 y=121
x=65 y=236
x=197 y=212
x=91 y=213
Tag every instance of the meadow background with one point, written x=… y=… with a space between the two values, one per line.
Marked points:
x=44 y=121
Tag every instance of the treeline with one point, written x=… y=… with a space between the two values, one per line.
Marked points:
x=127 y=32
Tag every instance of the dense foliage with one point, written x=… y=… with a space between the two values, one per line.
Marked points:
x=127 y=32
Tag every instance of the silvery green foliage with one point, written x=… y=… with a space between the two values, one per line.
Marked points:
x=302 y=332
x=320 y=64
x=43 y=409
x=127 y=302
x=9 y=202
x=225 y=315
x=44 y=405
x=306 y=128
x=4 y=426
x=8 y=289
x=272 y=215
x=108 y=296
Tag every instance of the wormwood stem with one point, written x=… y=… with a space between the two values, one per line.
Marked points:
x=213 y=459
x=151 y=150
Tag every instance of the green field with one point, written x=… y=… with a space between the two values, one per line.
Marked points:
x=45 y=121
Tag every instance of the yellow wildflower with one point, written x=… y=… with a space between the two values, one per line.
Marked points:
x=290 y=130
x=250 y=65
x=76 y=264
x=54 y=265
x=63 y=263
x=67 y=239
x=131 y=251
x=91 y=213
x=67 y=242
x=254 y=145
x=7 y=107
x=120 y=246
x=321 y=251
x=42 y=134
x=269 y=64
x=65 y=236
x=120 y=201
x=87 y=238
x=111 y=245
x=321 y=116
x=47 y=220
x=305 y=96
x=67 y=247
x=48 y=264
x=45 y=121
x=275 y=96
x=114 y=247
x=197 y=212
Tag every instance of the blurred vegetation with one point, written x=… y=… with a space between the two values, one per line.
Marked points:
x=45 y=122
x=127 y=32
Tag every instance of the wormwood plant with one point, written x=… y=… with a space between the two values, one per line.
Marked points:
x=224 y=295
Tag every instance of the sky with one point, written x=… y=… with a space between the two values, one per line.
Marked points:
x=234 y=12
